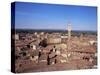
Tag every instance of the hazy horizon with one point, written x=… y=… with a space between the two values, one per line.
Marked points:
x=52 y=29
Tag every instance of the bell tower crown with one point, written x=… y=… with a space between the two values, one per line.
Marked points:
x=69 y=27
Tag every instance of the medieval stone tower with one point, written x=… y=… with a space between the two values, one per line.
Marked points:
x=69 y=35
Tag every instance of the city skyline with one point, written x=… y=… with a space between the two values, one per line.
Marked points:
x=55 y=16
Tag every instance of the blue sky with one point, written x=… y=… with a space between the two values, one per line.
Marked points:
x=50 y=16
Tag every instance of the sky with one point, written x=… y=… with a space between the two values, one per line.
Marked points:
x=54 y=16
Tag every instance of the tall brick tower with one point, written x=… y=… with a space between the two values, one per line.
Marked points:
x=69 y=35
